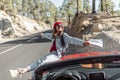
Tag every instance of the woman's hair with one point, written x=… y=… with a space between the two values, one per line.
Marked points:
x=61 y=37
x=54 y=34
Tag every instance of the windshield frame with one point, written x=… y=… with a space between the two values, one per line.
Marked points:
x=86 y=60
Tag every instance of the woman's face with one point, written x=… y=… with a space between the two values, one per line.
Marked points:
x=59 y=28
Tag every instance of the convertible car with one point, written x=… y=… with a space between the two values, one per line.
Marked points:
x=82 y=66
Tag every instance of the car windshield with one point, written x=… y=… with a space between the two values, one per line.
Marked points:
x=92 y=66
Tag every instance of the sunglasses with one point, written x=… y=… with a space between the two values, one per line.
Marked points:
x=60 y=25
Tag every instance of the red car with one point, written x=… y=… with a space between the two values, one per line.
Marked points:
x=83 y=66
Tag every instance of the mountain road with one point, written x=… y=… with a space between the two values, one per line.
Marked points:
x=21 y=53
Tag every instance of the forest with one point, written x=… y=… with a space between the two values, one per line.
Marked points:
x=45 y=10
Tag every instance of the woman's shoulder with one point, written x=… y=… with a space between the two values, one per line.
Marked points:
x=65 y=34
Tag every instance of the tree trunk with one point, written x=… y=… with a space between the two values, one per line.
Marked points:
x=101 y=5
x=106 y=6
x=13 y=8
x=55 y=16
x=69 y=19
x=93 y=6
x=23 y=7
x=77 y=8
x=3 y=5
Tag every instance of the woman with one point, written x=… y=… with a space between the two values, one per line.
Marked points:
x=60 y=41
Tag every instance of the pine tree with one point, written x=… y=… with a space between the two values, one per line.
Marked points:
x=108 y=6
x=86 y=6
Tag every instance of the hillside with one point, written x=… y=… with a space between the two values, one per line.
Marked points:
x=14 y=26
x=96 y=26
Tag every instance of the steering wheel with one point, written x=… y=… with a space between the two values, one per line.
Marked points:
x=67 y=75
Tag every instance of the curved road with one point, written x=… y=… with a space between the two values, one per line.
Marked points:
x=20 y=53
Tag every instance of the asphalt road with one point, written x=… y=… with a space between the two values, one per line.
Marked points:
x=21 y=53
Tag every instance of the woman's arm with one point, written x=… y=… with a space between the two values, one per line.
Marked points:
x=46 y=35
x=76 y=41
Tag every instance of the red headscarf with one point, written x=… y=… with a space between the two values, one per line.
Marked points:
x=55 y=24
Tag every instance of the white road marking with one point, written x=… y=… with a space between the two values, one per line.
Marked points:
x=11 y=48
x=32 y=39
x=16 y=46
x=29 y=40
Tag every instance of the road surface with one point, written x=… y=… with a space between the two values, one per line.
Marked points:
x=20 y=53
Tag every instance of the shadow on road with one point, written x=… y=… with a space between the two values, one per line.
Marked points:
x=34 y=38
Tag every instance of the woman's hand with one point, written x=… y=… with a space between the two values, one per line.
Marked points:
x=86 y=43
x=41 y=35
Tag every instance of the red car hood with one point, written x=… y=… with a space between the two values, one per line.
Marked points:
x=89 y=54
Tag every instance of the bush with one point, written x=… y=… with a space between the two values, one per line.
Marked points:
x=47 y=21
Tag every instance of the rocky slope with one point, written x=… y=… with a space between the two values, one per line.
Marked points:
x=97 y=26
x=14 y=26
